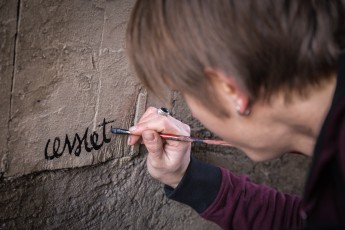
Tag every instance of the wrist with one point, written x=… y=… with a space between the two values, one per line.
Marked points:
x=198 y=187
x=178 y=175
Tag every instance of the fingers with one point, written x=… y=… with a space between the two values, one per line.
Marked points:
x=161 y=124
x=132 y=139
x=166 y=161
x=149 y=111
x=153 y=143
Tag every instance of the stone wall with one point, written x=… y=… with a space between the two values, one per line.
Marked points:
x=65 y=80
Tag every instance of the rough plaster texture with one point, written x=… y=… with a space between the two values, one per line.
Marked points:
x=63 y=70
x=8 y=22
x=70 y=73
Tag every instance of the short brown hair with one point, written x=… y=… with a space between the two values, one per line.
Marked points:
x=268 y=46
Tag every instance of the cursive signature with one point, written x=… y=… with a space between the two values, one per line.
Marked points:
x=75 y=146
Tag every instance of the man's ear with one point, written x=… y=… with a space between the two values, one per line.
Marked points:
x=227 y=85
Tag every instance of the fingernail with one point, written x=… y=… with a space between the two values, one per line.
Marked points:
x=132 y=128
x=148 y=136
x=129 y=140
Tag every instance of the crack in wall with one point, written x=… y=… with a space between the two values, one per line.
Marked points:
x=14 y=57
x=99 y=79
x=93 y=61
x=4 y=162
x=100 y=76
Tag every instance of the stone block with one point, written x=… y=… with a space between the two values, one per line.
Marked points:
x=71 y=73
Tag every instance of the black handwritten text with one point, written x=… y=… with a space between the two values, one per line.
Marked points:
x=75 y=146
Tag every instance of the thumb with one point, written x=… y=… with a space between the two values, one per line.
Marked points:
x=153 y=143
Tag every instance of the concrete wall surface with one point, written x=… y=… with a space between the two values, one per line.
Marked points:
x=65 y=80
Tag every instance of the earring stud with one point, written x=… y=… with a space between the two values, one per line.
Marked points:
x=246 y=112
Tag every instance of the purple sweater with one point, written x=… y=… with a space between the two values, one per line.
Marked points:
x=233 y=202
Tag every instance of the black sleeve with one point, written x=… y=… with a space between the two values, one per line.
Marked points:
x=199 y=186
